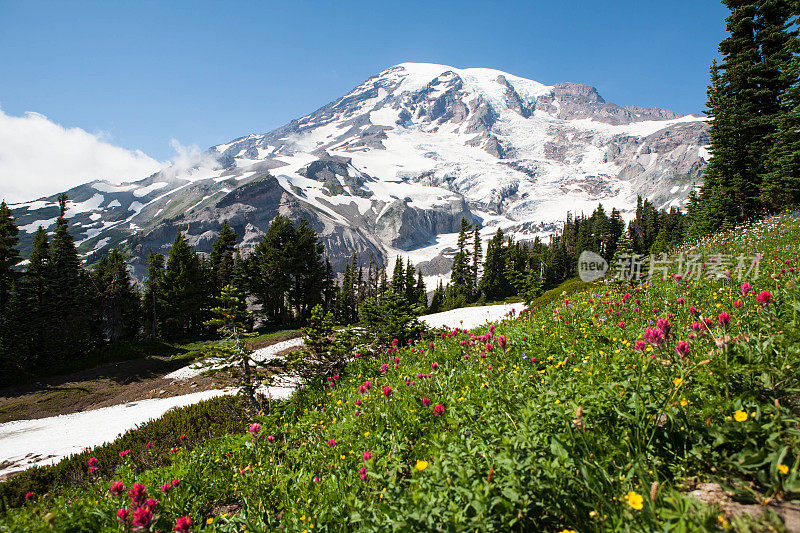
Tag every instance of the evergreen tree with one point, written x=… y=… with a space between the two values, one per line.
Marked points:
x=329 y=289
x=399 y=276
x=347 y=301
x=72 y=297
x=781 y=183
x=622 y=264
x=461 y=272
x=153 y=297
x=222 y=252
x=287 y=271
x=437 y=300
x=183 y=290
x=308 y=272
x=119 y=302
x=271 y=266
x=411 y=283
x=230 y=317
x=477 y=256
x=392 y=317
x=26 y=325
x=421 y=292
x=494 y=282
x=9 y=255
x=239 y=276
x=745 y=101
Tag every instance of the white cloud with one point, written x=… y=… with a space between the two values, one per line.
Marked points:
x=39 y=157
x=188 y=160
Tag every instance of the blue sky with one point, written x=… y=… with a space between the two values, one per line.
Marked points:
x=203 y=72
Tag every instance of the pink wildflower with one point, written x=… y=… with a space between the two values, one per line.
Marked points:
x=137 y=493
x=367 y=455
x=438 y=409
x=664 y=325
x=332 y=443
x=682 y=347
x=387 y=390
x=122 y=515
x=255 y=429
x=426 y=401
x=764 y=298
x=724 y=320
x=183 y=524
x=117 y=488
x=271 y=438
x=142 y=517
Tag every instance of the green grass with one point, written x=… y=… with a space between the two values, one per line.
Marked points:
x=569 y=427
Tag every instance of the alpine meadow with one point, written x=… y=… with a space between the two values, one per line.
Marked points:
x=452 y=299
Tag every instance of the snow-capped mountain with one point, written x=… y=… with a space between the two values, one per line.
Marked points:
x=393 y=166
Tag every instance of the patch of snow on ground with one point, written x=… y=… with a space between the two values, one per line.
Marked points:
x=82 y=207
x=144 y=191
x=269 y=353
x=104 y=186
x=33 y=226
x=27 y=443
x=471 y=317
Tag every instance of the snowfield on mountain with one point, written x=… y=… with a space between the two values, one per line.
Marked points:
x=393 y=166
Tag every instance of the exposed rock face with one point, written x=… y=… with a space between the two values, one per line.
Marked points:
x=577 y=101
x=394 y=165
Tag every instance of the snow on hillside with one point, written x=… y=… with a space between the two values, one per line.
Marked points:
x=471 y=317
x=27 y=443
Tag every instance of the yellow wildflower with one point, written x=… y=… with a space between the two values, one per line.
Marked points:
x=635 y=500
x=740 y=416
x=422 y=465
x=783 y=469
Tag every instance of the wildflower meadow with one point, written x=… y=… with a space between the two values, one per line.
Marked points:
x=598 y=411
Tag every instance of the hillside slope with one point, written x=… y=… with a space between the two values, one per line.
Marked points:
x=598 y=412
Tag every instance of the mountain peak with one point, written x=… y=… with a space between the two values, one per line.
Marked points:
x=396 y=163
